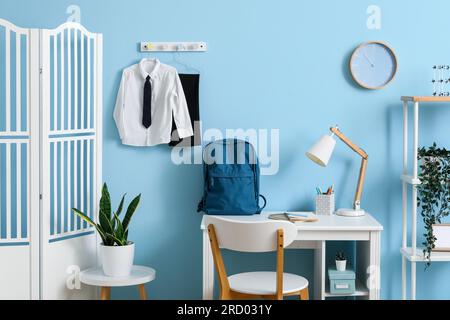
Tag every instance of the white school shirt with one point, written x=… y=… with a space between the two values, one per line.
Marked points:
x=167 y=99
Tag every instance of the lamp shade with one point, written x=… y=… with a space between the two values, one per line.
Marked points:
x=321 y=152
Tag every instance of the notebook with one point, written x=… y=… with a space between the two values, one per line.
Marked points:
x=295 y=216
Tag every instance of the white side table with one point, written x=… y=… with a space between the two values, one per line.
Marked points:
x=139 y=277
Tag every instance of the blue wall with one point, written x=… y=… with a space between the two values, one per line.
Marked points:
x=270 y=64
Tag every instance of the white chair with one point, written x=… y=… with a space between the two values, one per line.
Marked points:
x=256 y=236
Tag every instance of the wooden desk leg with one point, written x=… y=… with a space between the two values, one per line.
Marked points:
x=142 y=292
x=105 y=293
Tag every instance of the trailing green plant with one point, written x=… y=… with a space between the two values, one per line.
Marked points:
x=340 y=256
x=433 y=196
x=111 y=229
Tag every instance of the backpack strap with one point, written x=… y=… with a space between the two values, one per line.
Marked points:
x=200 y=206
x=265 y=202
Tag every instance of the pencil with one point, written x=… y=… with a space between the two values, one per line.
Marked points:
x=287 y=217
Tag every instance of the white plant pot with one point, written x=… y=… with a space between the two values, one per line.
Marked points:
x=117 y=260
x=341 y=265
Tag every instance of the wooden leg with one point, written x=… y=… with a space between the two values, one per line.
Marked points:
x=105 y=293
x=142 y=292
x=304 y=294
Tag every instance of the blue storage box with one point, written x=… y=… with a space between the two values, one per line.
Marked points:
x=341 y=282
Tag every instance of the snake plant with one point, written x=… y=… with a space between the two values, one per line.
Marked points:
x=111 y=229
x=340 y=256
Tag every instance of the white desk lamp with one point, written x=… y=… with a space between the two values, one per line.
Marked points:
x=321 y=153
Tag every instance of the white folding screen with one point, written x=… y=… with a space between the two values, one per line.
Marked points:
x=71 y=84
x=50 y=157
x=19 y=144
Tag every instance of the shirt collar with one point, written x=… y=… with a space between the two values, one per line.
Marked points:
x=143 y=70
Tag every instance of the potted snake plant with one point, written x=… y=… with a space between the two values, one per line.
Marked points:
x=341 y=261
x=116 y=252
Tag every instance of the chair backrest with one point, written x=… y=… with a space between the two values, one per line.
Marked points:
x=250 y=236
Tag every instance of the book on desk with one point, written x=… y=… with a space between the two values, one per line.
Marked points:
x=295 y=216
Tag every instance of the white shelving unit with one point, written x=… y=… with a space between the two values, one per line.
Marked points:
x=412 y=253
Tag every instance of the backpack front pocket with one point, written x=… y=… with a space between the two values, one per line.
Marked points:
x=231 y=195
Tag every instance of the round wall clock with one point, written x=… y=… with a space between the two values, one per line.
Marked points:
x=373 y=65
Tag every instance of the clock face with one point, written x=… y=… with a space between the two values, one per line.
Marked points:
x=373 y=65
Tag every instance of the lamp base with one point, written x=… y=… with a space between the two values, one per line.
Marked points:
x=350 y=213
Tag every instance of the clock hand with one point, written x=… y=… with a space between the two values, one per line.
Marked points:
x=370 y=61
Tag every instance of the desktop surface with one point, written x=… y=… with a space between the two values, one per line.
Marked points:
x=325 y=222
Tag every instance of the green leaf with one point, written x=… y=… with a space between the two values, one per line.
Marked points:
x=119 y=242
x=92 y=223
x=105 y=223
x=130 y=211
x=105 y=202
x=84 y=217
x=118 y=212
x=119 y=229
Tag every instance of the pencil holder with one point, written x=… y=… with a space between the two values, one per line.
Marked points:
x=325 y=204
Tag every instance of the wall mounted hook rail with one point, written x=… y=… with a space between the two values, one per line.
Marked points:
x=147 y=46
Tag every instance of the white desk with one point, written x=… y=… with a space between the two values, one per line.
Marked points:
x=313 y=235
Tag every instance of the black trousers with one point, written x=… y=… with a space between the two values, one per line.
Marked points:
x=191 y=88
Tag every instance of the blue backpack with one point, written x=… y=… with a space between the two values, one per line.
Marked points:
x=231 y=179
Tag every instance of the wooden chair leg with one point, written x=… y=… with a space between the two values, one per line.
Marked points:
x=304 y=294
x=105 y=293
x=142 y=292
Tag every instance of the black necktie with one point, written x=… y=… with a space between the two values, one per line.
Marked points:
x=147 y=116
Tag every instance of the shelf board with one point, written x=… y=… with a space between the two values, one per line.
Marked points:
x=425 y=99
x=419 y=257
x=410 y=180
x=360 y=291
